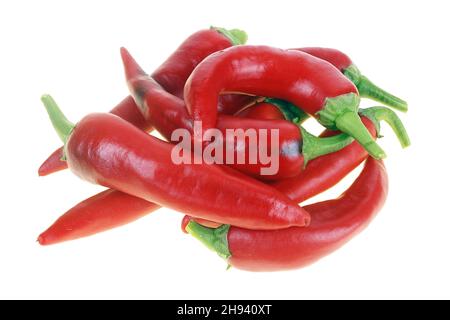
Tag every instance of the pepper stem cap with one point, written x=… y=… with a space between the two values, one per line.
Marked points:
x=63 y=127
x=236 y=36
x=214 y=239
x=351 y=123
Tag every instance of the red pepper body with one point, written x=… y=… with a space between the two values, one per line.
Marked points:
x=299 y=78
x=168 y=113
x=112 y=208
x=106 y=210
x=326 y=171
x=366 y=88
x=171 y=75
x=320 y=174
x=262 y=111
x=108 y=151
x=337 y=58
x=333 y=223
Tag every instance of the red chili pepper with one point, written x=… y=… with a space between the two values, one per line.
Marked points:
x=365 y=87
x=106 y=210
x=126 y=109
x=112 y=208
x=325 y=172
x=172 y=76
x=334 y=222
x=168 y=113
x=306 y=81
x=105 y=149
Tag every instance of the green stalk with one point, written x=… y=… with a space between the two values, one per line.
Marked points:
x=351 y=123
x=236 y=36
x=214 y=239
x=341 y=113
x=377 y=114
x=314 y=147
x=63 y=127
x=368 y=89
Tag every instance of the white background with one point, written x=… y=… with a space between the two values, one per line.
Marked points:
x=72 y=51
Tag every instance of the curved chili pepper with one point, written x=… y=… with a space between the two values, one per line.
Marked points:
x=325 y=172
x=366 y=88
x=101 y=212
x=334 y=222
x=126 y=109
x=321 y=174
x=306 y=81
x=168 y=113
x=112 y=208
x=105 y=149
x=172 y=76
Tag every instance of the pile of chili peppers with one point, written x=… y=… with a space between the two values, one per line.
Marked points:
x=251 y=219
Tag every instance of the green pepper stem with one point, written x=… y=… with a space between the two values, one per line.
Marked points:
x=377 y=114
x=290 y=112
x=314 y=147
x=214 y=239
x=236 y=36
x=368 y=89
x=350 y=123
x=63 y=127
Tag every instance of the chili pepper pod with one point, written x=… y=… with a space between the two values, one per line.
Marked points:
x=296 y=146
x=334 y=222
x=306 y=81
x=111 y=208
x=366 y=88
x=326 y=171
x=99 y=213
x=172 y=75
x=126 y=109
x=106 y=150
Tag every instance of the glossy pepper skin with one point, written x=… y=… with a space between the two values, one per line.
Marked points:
x=261 y=110
x=167 y=113
x=326 y=171
x=106 y=150
x=323 y=173
x=106 y=210
x=112 y=208
x=310 y=83
x=366 y=88
x=334 y=222
x=172 y=75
